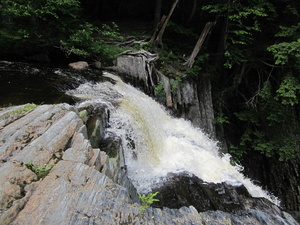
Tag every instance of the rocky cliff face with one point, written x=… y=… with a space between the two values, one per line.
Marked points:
x=51 y=174
x=189 y=100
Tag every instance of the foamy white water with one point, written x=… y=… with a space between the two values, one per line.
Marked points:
x=156 y=144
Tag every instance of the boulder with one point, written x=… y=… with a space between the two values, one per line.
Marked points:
x=97 y=65
x=81 y=65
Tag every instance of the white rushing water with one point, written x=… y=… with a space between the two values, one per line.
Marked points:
x=156 y=144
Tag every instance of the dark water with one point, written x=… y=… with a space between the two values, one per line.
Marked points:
x=22 y=83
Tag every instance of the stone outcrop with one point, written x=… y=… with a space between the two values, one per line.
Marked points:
x=84 y=185
x=138 y=67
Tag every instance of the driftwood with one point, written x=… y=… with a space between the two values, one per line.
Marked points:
x=130 y=42
x=206 y=30
x=156 y=39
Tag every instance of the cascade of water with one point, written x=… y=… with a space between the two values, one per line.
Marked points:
x=156 y=144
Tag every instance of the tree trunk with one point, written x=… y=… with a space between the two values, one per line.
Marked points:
x=156 y=39
x=157 y=13
x=190 y=62
x=193 y=11
x=222 y=41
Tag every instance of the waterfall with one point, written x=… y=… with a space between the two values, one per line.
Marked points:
x=156 y=144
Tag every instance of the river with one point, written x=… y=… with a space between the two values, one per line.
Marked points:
x=22 y=83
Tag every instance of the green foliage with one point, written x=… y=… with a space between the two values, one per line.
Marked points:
x=265 y=103
x=80 y=40
x=201 y=62
x=160 y=90
x=165 y=57
x=36 y=22
x=51 y=23
x=288 y=92
x=174 y=84
x=287 y=32
x=268 y=144
x=243 y=22
x=221 y=119
x=265 y=123
x=111 y=32
x=179 y=29
x=40 y=171
x=285 y=50
x=147 y=200
x=90 y=41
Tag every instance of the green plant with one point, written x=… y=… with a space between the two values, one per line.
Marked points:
x=160 y=90
x=111 y=32
x=266 y=121
x=90 y=41
x=147 y=200
x=289 y=91
x=221 y=119
x=40 y=171
x=174 y=84
x=243 y=21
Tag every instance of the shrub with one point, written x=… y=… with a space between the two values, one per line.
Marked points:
x=147 y=200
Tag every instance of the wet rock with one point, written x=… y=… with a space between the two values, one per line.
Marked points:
x=81 y=65
x=193 y=101
x=96 y=119
x=219 y=203
x=97 y=65
x=138 y=66
x=186 y=190
x=87 y=186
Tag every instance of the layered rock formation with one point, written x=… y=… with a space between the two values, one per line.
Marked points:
x=81 y=183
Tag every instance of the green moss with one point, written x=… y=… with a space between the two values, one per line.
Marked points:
x=40 y=171
x=23 y=110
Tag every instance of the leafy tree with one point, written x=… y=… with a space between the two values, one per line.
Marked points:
x=43 y=24
x=36 y=22
x=90 y=41
x=260 y=91
x=265 y=123
x=242 y=21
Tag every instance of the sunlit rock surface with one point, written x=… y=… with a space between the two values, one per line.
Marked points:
x=85 y=185
x=81 y=65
